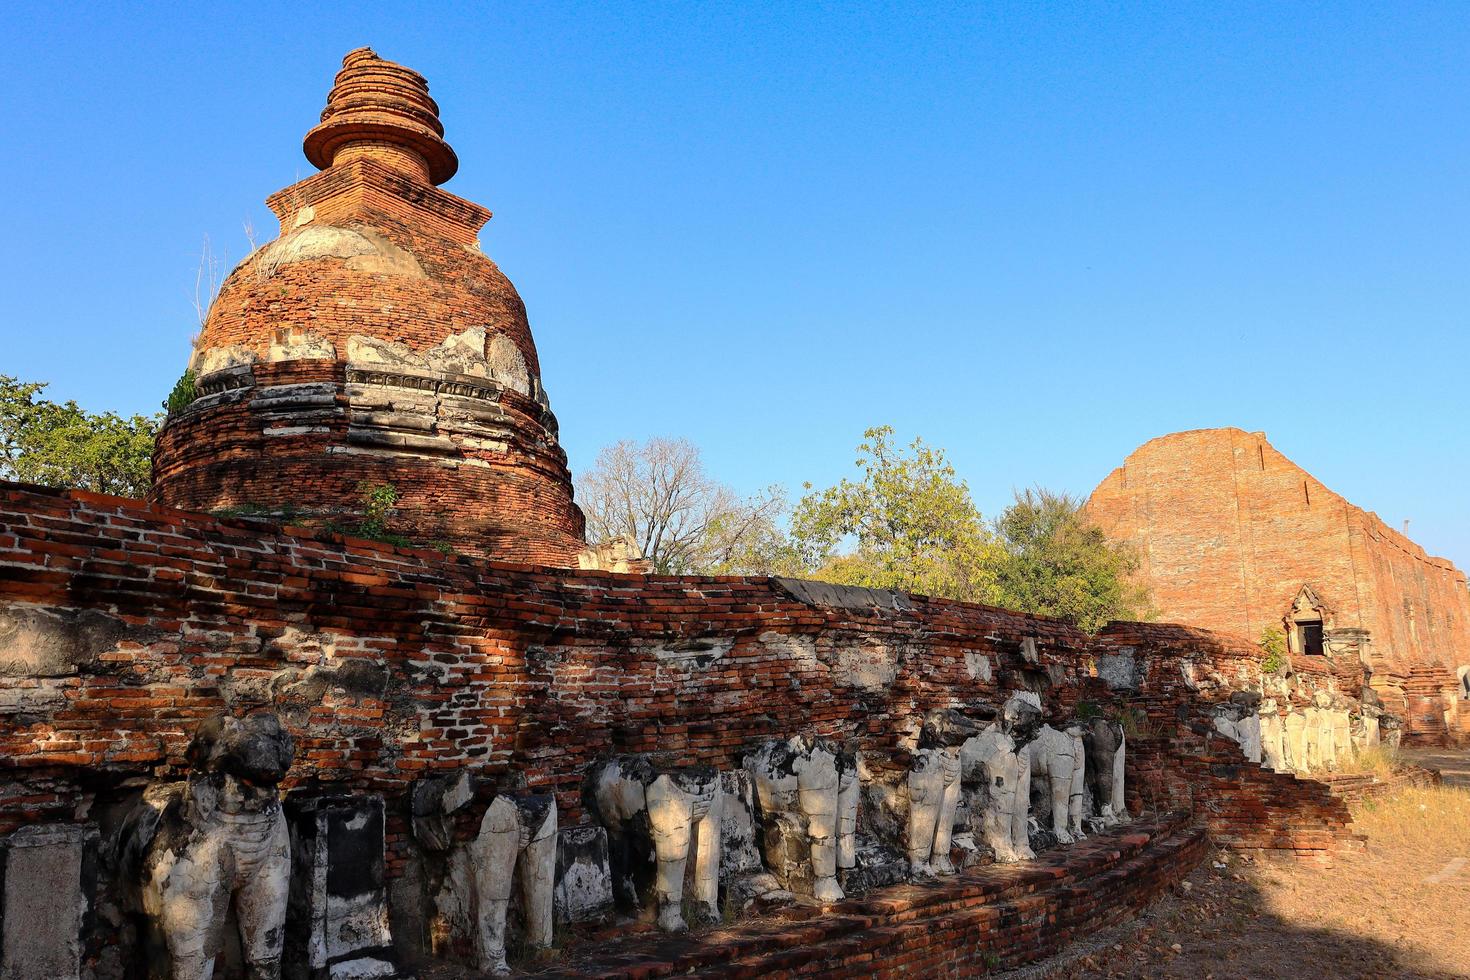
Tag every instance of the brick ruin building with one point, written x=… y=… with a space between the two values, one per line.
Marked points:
x=374 y=343
x=262 y=747
x=1235 y=537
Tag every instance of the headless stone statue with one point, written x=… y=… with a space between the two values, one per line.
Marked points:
x=1058 y=763
x=808 y=792
x=1103 y=743
x=517 y=840
x=221 y=836
x=934 y=791
x=515 y=844
x=666 y=812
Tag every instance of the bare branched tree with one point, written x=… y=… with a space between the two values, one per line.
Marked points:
x=207 y=280
x=659 y=494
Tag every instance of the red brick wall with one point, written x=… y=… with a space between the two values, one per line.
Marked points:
x=389 y=664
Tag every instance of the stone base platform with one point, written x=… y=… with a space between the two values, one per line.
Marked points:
x=981 y=920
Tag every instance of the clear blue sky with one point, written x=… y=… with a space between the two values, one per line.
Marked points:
x=1036 y=235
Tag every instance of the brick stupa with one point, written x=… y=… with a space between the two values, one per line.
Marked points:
x=373 y=344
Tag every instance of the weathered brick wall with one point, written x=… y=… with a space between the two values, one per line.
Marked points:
x=1354 y=788
x=122 y=625
x=391 y=663
x=1229 y=531
x=128 y=623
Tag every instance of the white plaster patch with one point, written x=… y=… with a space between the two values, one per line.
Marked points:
x=867 y=668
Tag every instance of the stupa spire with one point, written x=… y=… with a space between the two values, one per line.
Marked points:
x=381 y=110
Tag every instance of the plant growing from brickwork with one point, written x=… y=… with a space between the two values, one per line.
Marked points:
x=377 y=500
x=1135 y=722
x=63 y=445
x=208 y=278
x=1088 y=709
x=183 y=394
x=1273 y=644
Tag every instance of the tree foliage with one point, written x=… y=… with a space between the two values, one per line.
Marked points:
x=1056 y=562
x=659 y=494
x=63 y=445
x=907 y=523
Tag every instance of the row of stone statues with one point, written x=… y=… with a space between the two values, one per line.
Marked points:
x=820 y=819
x=1319 y=736
x=1003 y=780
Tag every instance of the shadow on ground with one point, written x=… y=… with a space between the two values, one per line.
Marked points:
x=1453 y=764
x=1400 y=907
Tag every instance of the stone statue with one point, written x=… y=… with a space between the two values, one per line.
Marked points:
x=516 y=841
x=664 y=812
x=1238 y=720
x=996 y=766
x=1273 y=736
x=1294 y=726
x=1058 y=762
x=217 y=839
x=934 y=791
x=808 y=792
x=1104 y=743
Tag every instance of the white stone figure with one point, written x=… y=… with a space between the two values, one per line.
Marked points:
x=808 y=789
x=849 y=794
x=1342 y=735
x=934 y=785
x=1365 y=728
x=1058 y=762
x=644 y=809
x=934 y=791
x=1295 y=724
x=1249 y=728
x=1273 y=734
x=1238 y=720
x=1321 y=744
x=517 y=840
x=997 y=762
x=1120 y=804
x=1077 y=804
x=219 y=838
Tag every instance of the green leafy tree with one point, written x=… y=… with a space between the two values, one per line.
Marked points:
x=907 y=523
x=1057 y=562
x=63 y=445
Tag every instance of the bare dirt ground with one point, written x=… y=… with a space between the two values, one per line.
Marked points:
x=1400 y=908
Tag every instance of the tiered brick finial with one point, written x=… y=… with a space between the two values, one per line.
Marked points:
x=382 y=110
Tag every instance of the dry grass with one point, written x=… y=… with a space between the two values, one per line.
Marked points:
x=1381 y=760
x=1399 y=908
x=1417 y=821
